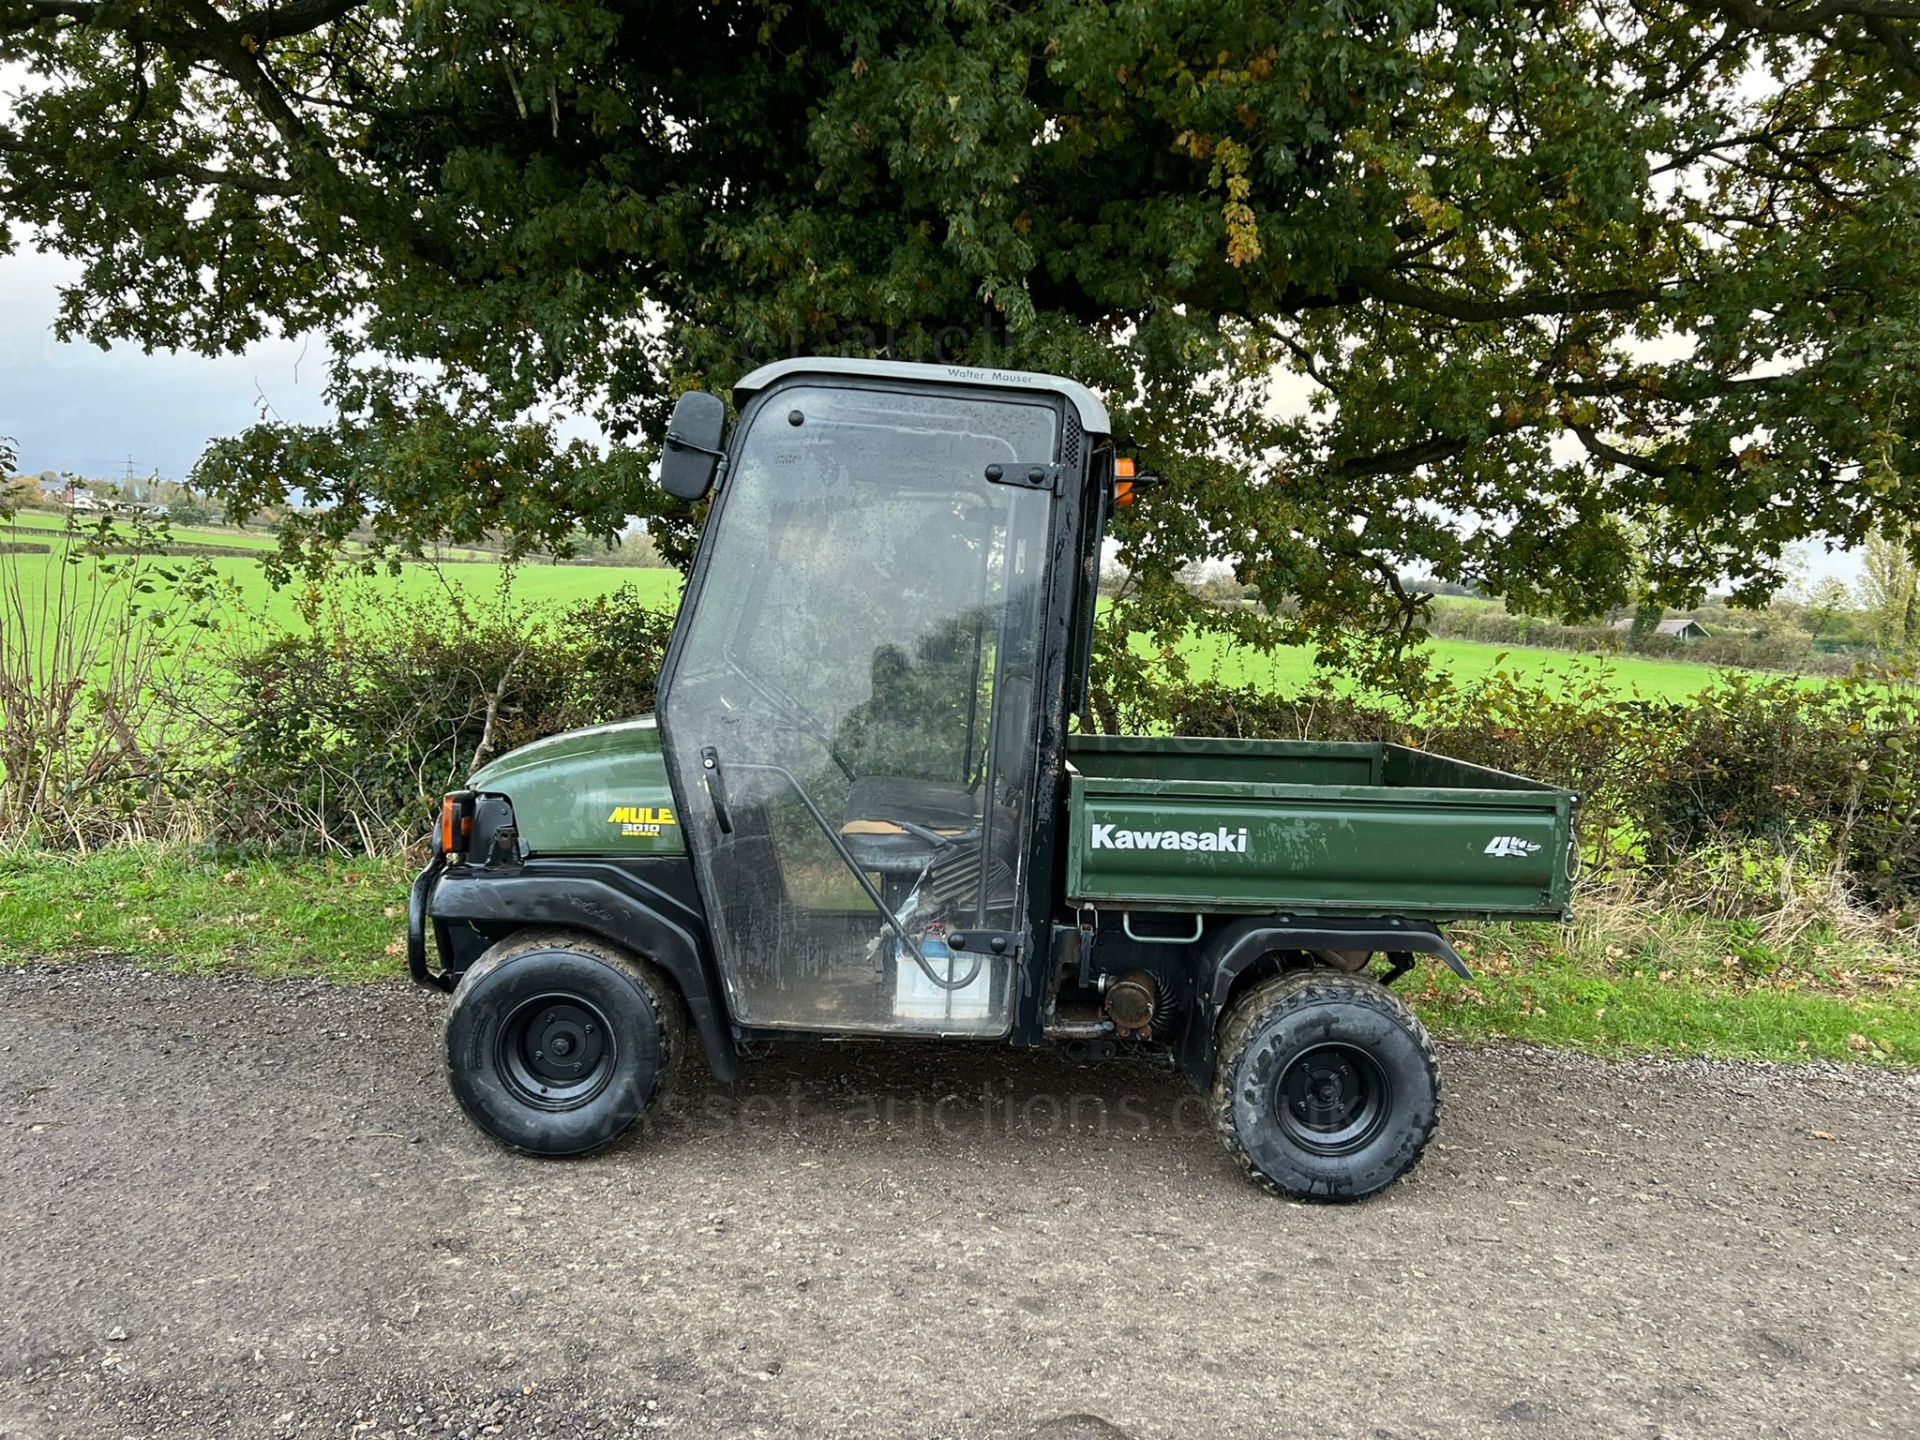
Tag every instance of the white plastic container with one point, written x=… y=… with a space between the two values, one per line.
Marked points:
x=917 y=998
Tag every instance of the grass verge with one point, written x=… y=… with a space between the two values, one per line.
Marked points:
x=1664 y=983
x=1676 y=984
x=167 y=907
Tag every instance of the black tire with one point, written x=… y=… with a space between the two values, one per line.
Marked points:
x=1325 y=1087
x=557 y=1042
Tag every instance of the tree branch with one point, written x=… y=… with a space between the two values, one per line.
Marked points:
x=1613 y=454
x=1876 y=17
x=269 y=22
x=1402 y=460
x=81 y=10
x=302 y=17
x=224 y=42
x=168 y=169
x=1396 y=290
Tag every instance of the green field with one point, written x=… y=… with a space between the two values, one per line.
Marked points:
x=246 y=596
x=1287 y=669
x=478 y=583
x=182 y=536
x=181 y=539
x=1290 y=669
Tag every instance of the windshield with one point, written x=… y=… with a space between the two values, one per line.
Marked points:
x=869 y=537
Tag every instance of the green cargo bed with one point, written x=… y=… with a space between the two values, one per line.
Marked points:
x=1311 y=827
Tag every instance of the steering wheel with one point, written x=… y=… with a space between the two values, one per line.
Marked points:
x=801 y=718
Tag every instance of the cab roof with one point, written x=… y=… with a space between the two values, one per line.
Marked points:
x=1093 y=414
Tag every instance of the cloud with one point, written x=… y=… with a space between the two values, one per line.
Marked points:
x=79 y=408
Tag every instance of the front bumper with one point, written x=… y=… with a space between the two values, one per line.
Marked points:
x=418 y=899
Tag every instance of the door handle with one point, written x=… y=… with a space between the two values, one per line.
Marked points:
x=717 y=788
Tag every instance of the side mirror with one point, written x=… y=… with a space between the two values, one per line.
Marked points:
x=692 y=457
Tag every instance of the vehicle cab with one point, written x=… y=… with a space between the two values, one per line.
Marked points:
x=855 y=703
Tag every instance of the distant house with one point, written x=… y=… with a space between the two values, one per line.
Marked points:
x=67 y=491
x=1679 y=629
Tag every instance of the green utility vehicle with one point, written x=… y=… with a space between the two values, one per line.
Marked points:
x=860 y=812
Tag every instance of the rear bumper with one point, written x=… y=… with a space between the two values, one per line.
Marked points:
x=418 y=899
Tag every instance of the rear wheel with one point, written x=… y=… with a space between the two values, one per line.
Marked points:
x=1325 y=1087
x=557 y=1042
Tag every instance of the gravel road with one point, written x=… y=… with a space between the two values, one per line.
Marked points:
x=240 y=1208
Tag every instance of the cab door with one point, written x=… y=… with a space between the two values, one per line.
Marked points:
x=851 y=704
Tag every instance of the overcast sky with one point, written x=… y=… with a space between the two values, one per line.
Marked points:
x=78 y=408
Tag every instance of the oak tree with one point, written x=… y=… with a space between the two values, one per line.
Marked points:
x=1583 y=303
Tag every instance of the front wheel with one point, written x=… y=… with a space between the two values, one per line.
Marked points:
x=557 y=1042
x=1325 y=1087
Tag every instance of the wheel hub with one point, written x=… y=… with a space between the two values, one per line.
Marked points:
x=556 y=1050
x=1332 y=1099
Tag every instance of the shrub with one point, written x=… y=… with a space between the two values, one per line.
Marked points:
x=94 y=626
x=189 y=509
x=1790 y=765
x=345 y=734
x=617 y=644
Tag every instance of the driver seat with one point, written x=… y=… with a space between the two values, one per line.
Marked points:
x=922 y=837
x=884 y=812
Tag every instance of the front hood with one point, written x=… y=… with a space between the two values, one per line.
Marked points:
x=601 y=791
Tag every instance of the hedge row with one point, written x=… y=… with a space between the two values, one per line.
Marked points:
x=362 y=725
x=344 y=734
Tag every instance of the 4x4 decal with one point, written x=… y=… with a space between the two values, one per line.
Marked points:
x=1510 y=845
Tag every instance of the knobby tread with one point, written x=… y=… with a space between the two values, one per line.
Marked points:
x=1299 y=991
